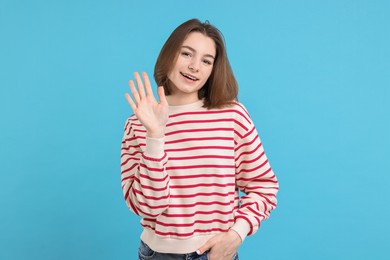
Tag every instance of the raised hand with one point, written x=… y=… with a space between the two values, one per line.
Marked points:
x=151 y=113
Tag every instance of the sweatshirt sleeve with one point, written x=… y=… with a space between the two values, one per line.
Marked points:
x=145 y=183
x=254 y=177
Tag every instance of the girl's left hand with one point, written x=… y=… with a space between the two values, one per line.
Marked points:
x=222 y=246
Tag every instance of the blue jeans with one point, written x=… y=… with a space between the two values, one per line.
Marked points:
x=146 y=253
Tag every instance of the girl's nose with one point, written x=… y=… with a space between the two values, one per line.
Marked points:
x=193 y=66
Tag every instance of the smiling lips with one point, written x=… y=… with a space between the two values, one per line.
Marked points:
x=188 y=76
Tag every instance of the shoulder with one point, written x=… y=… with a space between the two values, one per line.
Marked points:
x=131 y=123
x=240 y=113
x=235 y=113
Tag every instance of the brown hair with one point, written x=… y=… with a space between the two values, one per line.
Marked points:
x=221 y=87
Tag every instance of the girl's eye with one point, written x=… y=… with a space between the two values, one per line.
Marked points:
x=207 y=62
x=186 y=54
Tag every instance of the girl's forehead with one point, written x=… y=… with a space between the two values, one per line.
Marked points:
x=200 y=43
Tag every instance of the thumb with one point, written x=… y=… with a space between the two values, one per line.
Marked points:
x=208 y=245
x=161 y=95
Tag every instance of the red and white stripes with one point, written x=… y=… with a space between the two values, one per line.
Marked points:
x=185 y=186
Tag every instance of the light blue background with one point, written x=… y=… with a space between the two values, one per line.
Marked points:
x=315 y=76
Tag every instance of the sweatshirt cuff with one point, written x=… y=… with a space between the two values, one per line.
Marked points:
x=242 y=228
x=154 y=147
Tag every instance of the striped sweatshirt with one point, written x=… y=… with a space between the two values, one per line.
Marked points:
x=186 y=185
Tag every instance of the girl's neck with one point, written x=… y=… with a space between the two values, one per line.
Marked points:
x=181 y=100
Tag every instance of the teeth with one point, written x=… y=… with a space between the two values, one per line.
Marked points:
x=189 y=77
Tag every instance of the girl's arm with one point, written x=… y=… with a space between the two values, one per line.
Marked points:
x=145 y=182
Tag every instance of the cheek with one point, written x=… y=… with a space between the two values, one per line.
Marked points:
x=208 y=72
x=180 y=62
x=169 y=75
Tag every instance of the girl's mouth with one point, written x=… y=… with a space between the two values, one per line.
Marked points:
x=188 y=76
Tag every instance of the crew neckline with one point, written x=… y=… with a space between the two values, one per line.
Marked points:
x=187 y=107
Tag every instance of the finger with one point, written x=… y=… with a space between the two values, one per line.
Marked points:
x=161 y=96
x=140 y=85
x=131 y=102
x=148 y=86
x=134 y=91
x=208 y=245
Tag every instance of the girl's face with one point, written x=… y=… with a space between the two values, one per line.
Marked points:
x=193 y=67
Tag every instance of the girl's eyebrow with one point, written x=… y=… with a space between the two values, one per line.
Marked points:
x=193 y=50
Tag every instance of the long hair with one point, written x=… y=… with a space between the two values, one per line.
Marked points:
x=221 y=87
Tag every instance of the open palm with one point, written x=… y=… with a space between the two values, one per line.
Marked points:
x=151 y=113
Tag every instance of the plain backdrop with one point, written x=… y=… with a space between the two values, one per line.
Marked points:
x=314 y=75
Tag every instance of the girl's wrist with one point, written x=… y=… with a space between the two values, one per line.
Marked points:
x=155 y=134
